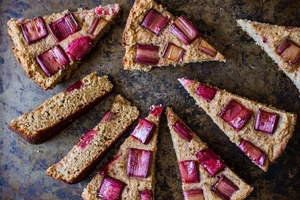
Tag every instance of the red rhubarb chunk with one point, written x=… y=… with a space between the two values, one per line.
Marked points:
x=184 y=30
x=143 y=131
x=289 y=51
x=266 y=121
x=225 y=188
x=210 y=161
x=156 y=111
x=253 y=152
x=79 y=47
x=154 y=21
x=64 y=27
x=34 y=30
x=207 y=48
x=183 y=130
x=52 y=60
x=85 y=140
x=107 y=116
x=206 y=92
x=147 y=54
x=196 y=194
x=97 y=25
x=173 y=52
x=235 y=114
x=185 y=82
x=146 y=195
x=139 y=162
x=189 y=171
x=77 y=85
x=105 y=10
x=111 y=188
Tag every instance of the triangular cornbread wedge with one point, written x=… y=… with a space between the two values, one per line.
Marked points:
x=260 y=131
x=149 y=24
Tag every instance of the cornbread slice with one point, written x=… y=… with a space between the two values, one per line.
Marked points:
x=195 y=178
x=61 y=110
x=260 y=131
x=61 y=38
x=86 y=154
x=136 y=186
x=269 y=37
x=170 y=50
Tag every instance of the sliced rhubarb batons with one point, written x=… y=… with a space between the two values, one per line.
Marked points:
x=204 y=175
x=169 y=40
x=94 y=143
x=260 y=131
x=49 y=48
x=134 y=163
x=281 y=43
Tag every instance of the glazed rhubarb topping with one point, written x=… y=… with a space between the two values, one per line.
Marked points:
x=97 y=25
x=207 y=48
x=105 y=169
x=107 y=116
x=77 y=85
x=147 y=54
x=79 y=47
x=185 y=82
x=206 y=92
x=111 y=188
x=52 y=60
x=139 y=162
x=289 y=51
x=235 y=114
x=146 y=195
x=266 y=121
x=86 y=139
x=34 y=30
x=173 y=52
x=64 y=27
x=183 y=130
x=189 y=171
x=225 y=188
x=154 y=21
x=100 y=10
x=184 y=30
x=156 y=111
x=196 y=194
x=253 y=152
x=210 y=161
x=143 y=131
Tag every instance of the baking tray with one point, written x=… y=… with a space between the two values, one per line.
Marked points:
x=248 y=72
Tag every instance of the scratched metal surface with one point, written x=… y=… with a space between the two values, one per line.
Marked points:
x=248 y=72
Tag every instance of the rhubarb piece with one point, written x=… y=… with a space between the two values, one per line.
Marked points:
x=173 y=52
x=185 y=82
x=156 y=111
x=253 y=152
x=86 y=139
x=210 y=161
x=111 y=188
x=97 y=26
x=207 y=48
x=154 y=21
x=225 y=188
x=147 y=54
x=266 y=121
x=52 y=60
x=196 y=194
x=146 y=195
x=77 y=85
x=184 y=30
x=105 y=169
x=143 y=131
x=139 y=162
x=108 y=115
x=106 y=10
x=289 y=51
x=235 y=114
x=189 y=171
x=34 y=30
x=79 y=47
x=206 y=92
x=64 y=27
x=183 y=130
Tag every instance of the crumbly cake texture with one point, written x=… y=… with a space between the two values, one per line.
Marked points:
x=61 y=110
x=117 y=168
x=186 y=150
x=26 y=53
x=135 y=34
x=271 y=144
x=79 y=162
x=269 y=37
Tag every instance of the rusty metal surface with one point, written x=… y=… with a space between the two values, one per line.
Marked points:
x=248 y=72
